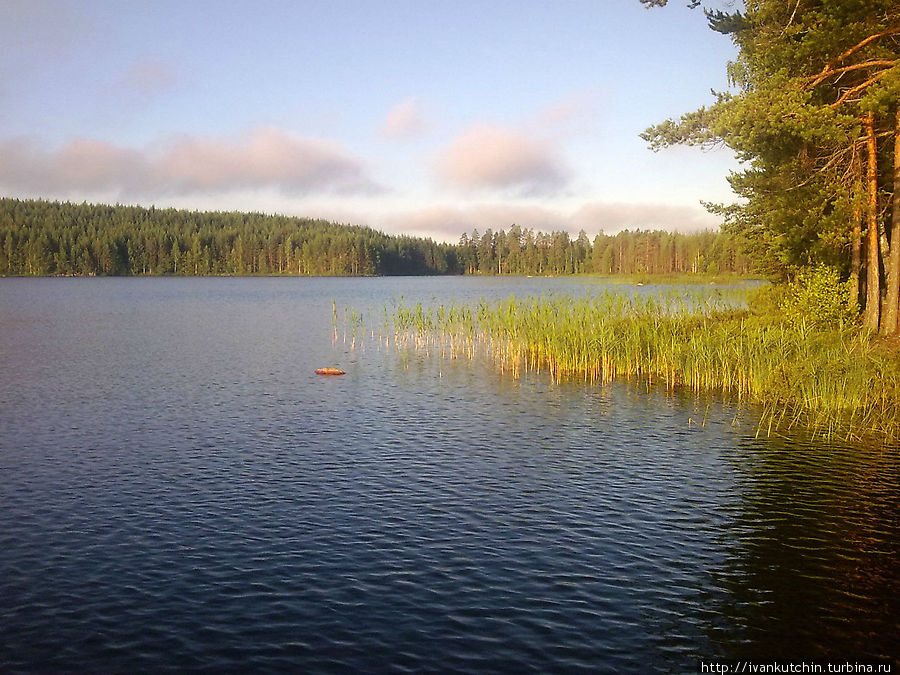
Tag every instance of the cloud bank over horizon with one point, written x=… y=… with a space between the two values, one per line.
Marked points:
x=265 y=168
x=447 y=222
x=264 y=157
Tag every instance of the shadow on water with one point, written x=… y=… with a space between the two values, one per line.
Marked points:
x=803 y=556
x=813 y=568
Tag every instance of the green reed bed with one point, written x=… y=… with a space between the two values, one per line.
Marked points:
x=833 y=380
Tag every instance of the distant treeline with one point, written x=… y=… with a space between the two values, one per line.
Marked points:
x=520 y=251
x=41 y=238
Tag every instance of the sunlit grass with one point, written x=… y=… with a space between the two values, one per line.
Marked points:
x=835 y=381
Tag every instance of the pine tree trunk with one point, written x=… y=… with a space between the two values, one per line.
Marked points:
x=855 y=256
x=872 y=314
x=892 y=304
x=856 y=237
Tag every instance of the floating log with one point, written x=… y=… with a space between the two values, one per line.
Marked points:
x=329 y=371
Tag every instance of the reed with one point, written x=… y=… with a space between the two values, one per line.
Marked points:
x=836 y=381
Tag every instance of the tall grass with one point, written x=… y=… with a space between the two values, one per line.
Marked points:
x=836 y=381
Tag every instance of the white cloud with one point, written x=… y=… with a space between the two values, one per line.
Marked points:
x=405 y=120
x=491 y=157
x=612 y=217
x=448 y=222
x=265 y=157
x=576 y=114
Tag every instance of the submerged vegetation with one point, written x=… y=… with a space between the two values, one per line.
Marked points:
x=832 y=378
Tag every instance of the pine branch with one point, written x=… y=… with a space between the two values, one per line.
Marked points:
x=853 y=90
x=791 y=20
x=828 y=72
x=860 y=45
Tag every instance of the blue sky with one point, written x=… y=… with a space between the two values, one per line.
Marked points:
x=421 y=117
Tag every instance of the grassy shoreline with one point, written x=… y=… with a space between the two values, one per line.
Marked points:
x=841 y=382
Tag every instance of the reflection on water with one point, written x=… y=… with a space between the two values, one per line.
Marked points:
x=813 y=562
x=181 y=492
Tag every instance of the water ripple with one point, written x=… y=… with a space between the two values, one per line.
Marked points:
x=180 y=498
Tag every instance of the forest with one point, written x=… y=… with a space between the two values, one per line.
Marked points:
x=46 y=238
x=43 y=238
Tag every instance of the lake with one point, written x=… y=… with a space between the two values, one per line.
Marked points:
x=180 y=492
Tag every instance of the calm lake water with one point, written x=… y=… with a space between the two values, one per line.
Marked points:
x=180 y=492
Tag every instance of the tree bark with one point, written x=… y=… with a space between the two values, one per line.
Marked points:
x=891 y=324
x=872 y=315
x=856 y=237
x=855 y=256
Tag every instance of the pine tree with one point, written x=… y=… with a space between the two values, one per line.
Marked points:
x=816 y=86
